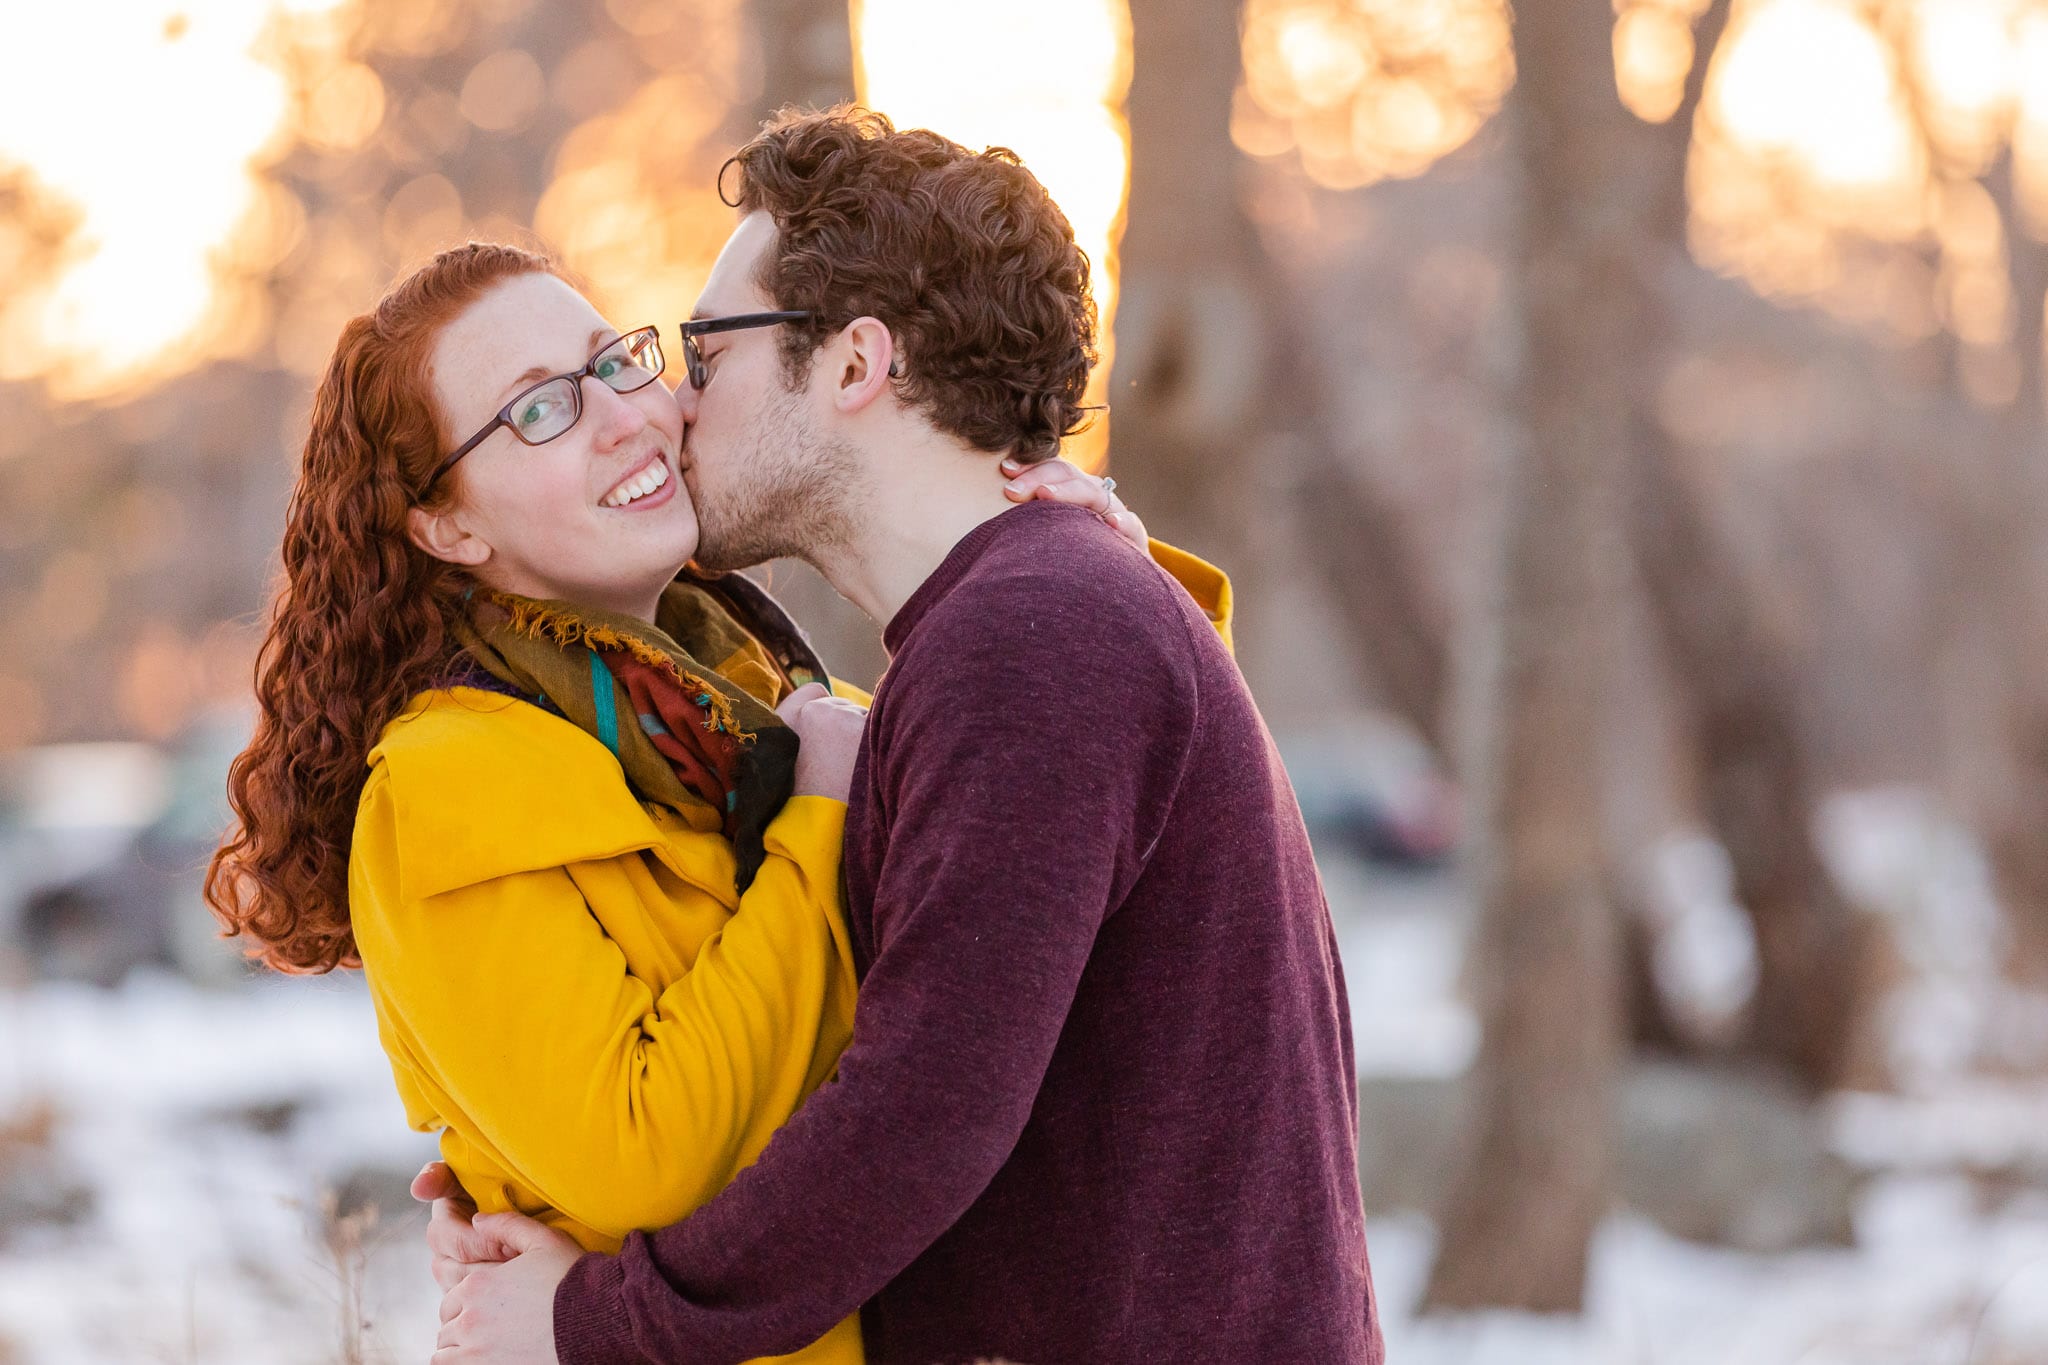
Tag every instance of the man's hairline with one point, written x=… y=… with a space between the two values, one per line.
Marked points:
x=756 y=277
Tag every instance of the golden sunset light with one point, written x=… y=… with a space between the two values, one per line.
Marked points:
x=149 y=138
x=1825 y=182
x=925 y=63
x=634 y=205
x=162 y=225
x=1843 y=123
x=1373 y=89
x=1653 y=53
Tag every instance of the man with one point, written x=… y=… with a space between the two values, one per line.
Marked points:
x=1099 y=1106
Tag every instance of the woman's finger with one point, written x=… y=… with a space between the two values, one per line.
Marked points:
x=1084 y=492
x=1070 y=485
x=436 y=1181
x=517 y=1234
x=1055 y=480
x=1127 y=524
x=451 y=1233
x=1029 y=476
x=449 y=1272
x=799 y=699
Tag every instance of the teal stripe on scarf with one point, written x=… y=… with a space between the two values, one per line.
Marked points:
x=605 y=694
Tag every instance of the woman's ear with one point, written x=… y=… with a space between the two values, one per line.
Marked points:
x=441 y=535
x=866 y=358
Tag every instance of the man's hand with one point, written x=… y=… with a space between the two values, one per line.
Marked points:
x=458 y=1246
x=504 y=1314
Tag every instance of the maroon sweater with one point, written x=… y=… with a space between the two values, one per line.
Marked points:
x=1099 y=1106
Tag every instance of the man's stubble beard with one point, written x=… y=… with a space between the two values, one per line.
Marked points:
x=789 y=495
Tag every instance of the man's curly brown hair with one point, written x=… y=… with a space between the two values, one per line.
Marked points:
x=964 y=257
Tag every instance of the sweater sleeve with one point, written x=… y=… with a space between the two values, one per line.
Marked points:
x=621 y=1106
x=1075 y=710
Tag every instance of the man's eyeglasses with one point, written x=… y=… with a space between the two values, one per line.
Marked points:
x=693 y=355
x=541 y=413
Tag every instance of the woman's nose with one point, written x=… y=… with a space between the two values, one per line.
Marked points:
x=617 y=416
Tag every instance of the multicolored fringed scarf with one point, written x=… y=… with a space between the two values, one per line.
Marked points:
x=700 y=739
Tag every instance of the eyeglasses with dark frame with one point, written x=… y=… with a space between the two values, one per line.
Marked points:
x=693 y=356
x=551 y=407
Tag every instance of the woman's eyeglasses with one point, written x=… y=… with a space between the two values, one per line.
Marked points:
x=693 y=355
x=548 y=409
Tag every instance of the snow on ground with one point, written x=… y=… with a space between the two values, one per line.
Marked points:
x=207 y=1125
x=164 y=1152
x=1933 y=1280
x=1950 y=1261
x=174 y=1213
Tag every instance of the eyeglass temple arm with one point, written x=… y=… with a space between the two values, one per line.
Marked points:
x=698 y=327
x=471 y=444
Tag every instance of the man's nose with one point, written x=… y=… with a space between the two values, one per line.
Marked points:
x=687 y=398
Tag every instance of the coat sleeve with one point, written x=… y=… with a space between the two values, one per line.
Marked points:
x=1207 y=584
x=621 y=1106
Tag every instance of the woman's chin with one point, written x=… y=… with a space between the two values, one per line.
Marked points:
x=684 y=547
x=674 y=529
x=680 y=556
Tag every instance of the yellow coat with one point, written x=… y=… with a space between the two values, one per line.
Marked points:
x=568 y=987
x=561 y=981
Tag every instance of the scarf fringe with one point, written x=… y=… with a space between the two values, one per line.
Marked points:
x=536 y=621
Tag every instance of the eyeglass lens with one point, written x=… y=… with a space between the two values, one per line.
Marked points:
x=547 y=410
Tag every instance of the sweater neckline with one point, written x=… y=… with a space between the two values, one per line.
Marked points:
x=962 y=557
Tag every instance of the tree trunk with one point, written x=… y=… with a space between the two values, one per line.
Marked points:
x=2007 y=787
x=1739 y=677
x=1758 y=792
x=805 y=50
x=1196 y=318
x=1520 y=1219
x=1360 y=548
x=1218 y=426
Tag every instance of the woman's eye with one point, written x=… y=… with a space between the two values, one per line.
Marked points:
x=609 y=366
x=537 y=411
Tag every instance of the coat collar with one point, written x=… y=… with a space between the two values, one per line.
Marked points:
x=486 y=786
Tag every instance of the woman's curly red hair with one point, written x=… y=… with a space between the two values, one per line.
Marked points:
x=362 y=622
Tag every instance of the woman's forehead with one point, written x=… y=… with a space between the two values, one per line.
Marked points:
x=521 y=324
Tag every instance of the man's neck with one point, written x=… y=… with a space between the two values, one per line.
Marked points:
x=922 y=501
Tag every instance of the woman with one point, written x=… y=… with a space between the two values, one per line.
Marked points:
x=606 y=952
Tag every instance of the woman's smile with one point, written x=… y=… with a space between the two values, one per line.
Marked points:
x=651 y=485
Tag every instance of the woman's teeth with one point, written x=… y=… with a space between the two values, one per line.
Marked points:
x=640 y=487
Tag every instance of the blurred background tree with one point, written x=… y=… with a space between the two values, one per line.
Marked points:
x=1540 y=1176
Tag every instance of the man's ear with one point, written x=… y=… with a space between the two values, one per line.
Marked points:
x=444 y=537
x=863 y=358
